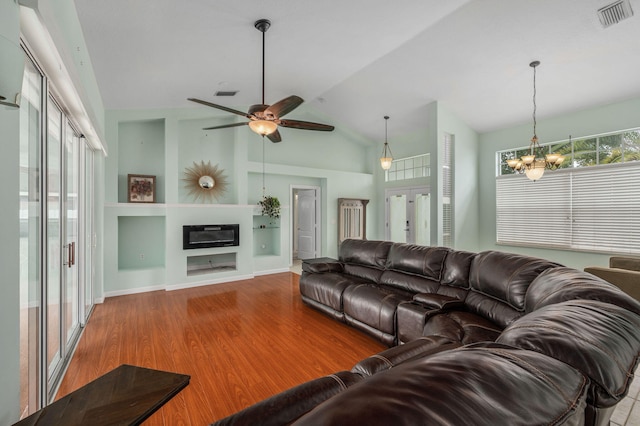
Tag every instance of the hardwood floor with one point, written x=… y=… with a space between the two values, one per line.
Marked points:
x=241 y=342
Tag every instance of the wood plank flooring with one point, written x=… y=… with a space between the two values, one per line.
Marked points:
x=241 y=342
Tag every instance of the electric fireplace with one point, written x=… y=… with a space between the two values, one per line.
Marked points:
x=203 y=236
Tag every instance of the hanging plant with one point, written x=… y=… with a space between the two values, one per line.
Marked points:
x=270 y=206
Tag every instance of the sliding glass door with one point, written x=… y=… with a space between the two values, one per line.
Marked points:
x=30 y=238
x=55 y=252
x=63 y=212
x=56 y=240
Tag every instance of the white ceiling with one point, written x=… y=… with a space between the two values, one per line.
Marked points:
x=355 y=61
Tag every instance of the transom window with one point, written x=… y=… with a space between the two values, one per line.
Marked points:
x=611 y=148
x=408 y=168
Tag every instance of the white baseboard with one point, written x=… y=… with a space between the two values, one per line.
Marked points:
x=133 y=291
x=208 y=282
x=182 y=286
x=271 y=271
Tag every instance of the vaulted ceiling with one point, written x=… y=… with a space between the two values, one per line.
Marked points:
x=358 y=60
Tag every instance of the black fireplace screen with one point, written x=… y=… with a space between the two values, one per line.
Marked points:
x=203 y=236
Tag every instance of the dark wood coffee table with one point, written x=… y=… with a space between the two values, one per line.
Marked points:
x=127 y=395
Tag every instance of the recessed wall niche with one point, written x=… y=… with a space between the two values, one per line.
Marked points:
x=141 y=242
x=141 y=146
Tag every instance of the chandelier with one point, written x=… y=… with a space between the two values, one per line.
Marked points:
x=387 y=158
x=534 y=164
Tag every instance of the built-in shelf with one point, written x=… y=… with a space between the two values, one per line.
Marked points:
x=211 y=263
x=266 y=236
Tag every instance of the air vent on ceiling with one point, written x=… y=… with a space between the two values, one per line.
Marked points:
x=615 y=12
x=226 y=92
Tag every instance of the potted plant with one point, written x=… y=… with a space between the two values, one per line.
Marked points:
x=270 y=206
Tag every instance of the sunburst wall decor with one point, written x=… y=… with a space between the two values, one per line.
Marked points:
x=205 y=182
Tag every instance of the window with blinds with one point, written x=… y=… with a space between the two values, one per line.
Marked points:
x=590 y=209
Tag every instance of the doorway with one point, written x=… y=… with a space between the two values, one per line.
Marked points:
x=407 y=215
x=305 y=222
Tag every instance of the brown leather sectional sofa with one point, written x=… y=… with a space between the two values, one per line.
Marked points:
x=486 y=339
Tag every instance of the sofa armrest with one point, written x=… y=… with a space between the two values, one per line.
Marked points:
x=626 y=280
x=320 y=267
x=621 y=262
x=438 y=301
x=289 y=405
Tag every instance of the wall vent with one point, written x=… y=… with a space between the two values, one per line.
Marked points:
x=615 y=12
x=226 y=92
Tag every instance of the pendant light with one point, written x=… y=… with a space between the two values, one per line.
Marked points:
x=534 y=164
x=387 y=158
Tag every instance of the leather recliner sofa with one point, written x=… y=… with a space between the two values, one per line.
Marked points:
x=488 y=338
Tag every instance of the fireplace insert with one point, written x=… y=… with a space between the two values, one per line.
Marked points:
x=203 y=236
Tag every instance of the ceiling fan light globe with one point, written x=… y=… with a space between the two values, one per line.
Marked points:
x=263 y=127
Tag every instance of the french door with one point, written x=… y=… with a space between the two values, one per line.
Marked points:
x=407 y=212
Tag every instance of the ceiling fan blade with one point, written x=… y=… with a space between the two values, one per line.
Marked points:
x=224 y=108
x=306 y=125
x=275 y=136
x=285 y=106
x=224 y=126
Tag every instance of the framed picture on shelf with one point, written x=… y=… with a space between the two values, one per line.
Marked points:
x=141 y=189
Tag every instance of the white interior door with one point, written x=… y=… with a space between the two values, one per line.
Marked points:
x=306 y=223
x=408 y=215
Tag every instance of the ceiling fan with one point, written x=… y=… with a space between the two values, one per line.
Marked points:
x=264 y=119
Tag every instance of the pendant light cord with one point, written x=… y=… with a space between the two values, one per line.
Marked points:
x=534 y=103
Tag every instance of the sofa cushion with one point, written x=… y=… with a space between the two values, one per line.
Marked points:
x=463 y=327
x=374 y=305
x=597 y=338
x=364 y=252
x=480 y=386
x=409 y=282
x=457 y=266
x=560 y=284
x=419 y=260
x=367 y=273
x=326 y=288
x=506 y=276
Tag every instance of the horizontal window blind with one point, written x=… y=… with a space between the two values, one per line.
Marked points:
x=592 y=209
x=533 y=213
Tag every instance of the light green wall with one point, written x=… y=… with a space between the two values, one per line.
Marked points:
x=592 y=121
x=216 y=147
x=144 y=244
x=61 y=20
x=337 y=150
x=141 y=140
x=10 y=237
x=465 y=154
x=9 y=265
x=165 y=142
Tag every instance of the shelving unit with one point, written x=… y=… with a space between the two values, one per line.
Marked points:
x=266 y=236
